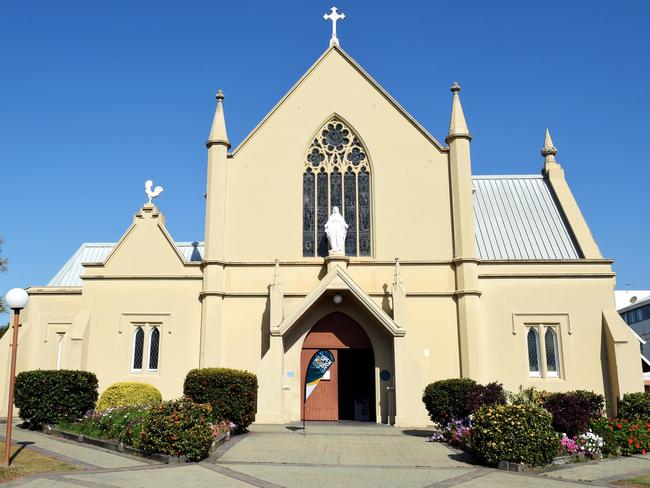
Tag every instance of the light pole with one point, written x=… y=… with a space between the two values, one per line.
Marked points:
x=17 y=299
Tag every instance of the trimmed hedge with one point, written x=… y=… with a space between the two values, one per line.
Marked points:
x=517 y=433
x=490 y=394
x=178 y=428
x=573 y=410
x=231 y=392
x=635 y=406
x=48 y=397
x=128 y=394
x=446 y=400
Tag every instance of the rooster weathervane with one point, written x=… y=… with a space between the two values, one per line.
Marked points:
x=152 y=193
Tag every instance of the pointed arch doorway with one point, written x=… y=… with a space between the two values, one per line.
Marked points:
x=348 y=390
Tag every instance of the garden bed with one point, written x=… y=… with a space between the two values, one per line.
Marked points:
x=533 y=430
x=113 y=445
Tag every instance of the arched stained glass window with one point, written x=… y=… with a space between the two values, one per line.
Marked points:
x=338 y=162
x=550 y=344
x=138 y=348
x=154 y=348
x=533 y=352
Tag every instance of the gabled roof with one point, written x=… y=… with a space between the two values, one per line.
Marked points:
x=363 y=73
x=338 y=279
x=97 y=252
x=517 y=218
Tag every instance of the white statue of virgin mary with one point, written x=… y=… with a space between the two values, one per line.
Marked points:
x=336 y=230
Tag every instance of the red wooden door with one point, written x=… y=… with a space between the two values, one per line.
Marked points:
x=323 y=403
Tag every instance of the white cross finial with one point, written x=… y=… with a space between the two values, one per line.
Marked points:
x=334 y=16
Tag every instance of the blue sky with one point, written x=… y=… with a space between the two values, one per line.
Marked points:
x=96 y=97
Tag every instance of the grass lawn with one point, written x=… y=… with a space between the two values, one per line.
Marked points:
x=638 y=482
x=30 y=462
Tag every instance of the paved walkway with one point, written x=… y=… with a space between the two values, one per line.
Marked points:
x=352 y=455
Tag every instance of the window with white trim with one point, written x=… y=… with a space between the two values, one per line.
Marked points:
x=146 y=347
x=550 y=344
x=532 y=339
x=154 y=348
x=543 y=351
x=59 y=349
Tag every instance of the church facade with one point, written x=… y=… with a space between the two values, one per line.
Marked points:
x=439 y=274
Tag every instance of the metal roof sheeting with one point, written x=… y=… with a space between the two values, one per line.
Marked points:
x=96 y=252
x=516 y=217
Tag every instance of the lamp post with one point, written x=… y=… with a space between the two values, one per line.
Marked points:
x=17 y=299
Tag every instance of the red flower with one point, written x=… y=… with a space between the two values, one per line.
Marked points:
x=642 y=451
x=620 y=426
x=630 y=441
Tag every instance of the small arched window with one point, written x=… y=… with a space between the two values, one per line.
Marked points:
x=532 y=339
x=550 y=344
x=138 y=348
x=154 y=346
x=336 y=174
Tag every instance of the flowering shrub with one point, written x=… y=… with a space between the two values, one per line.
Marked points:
x=128 y=393
x=490 y=394
x=178 y=428
x=222 y=428
x=123 y=424
x=446 y=400
x=517 y=433
x=627 y=436
x=459 y=433
x=591 y=444
x=569 y=445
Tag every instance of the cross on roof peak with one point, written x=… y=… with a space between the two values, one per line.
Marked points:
x=334 y=16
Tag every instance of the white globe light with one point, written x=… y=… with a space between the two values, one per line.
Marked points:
x=17 y=298
x=337 y=298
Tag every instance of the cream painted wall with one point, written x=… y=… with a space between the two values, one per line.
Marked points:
x=218 y=312
x=408 y=171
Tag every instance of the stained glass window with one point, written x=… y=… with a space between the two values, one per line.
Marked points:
x=335 y=185
x=322 y=212
x=550 y=344
x=138 y=348
x=337 y=174
x=350 y=212
x=308 y=220
x=533 y=352
x=364 y=213
x=154 y=348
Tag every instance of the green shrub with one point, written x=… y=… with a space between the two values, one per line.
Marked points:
x=611 y=440
x=128 y=394
x=47 y=397
x=516 y=433
x=446 y=400
x=635 y=406
x=490 y=394
x=528 y=396
x=178 y=428
x=231 y=392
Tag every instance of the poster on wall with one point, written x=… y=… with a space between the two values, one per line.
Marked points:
x=319 y=364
